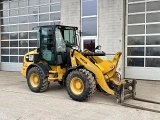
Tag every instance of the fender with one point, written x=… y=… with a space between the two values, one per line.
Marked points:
x=69 y=70
x=43 y=67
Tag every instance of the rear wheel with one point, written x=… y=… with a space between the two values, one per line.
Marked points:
x=80 y=84
x=36 y=80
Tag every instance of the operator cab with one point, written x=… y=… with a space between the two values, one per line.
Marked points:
x=55 y=43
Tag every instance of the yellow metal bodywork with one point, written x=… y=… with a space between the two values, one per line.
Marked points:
x=27 y=64
x=55 y=69
x=104 y=70
x=58 y=71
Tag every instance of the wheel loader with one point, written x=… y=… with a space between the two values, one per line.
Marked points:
x=58 y=58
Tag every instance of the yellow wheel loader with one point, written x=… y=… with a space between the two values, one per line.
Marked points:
x=58 y=58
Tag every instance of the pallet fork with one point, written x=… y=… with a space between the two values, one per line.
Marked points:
x=128 y=91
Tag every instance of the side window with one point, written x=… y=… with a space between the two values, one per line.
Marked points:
x=70 y=37
x=38 y=35
x=38 y=39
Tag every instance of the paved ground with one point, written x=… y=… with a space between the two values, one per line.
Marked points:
x=17 y=102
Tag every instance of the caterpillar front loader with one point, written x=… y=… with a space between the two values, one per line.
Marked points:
x=58 y=58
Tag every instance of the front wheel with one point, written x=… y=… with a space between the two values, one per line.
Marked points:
x=36 y=80
x=80 y=85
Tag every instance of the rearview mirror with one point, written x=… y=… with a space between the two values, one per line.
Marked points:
x=98 y=47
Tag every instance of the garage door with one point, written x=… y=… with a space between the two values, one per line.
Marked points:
x=17 y=18
x=142 y=43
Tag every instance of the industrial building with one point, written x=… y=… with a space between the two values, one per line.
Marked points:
x=128 y=26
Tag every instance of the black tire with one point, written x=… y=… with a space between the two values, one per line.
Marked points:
x=89 y=84
x=43 y=82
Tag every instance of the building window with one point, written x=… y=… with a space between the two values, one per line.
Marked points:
x=89 y=26
x=89 y=44
x=17 y=18
x=89 y=7
x=89 y=22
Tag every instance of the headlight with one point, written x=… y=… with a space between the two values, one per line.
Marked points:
x=29 y=58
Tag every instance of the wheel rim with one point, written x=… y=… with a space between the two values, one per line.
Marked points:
x=76 y=86
x=34 y=80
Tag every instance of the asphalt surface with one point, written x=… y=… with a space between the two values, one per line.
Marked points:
x=17 y=102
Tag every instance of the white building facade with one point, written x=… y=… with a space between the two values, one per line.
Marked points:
x=128 y=26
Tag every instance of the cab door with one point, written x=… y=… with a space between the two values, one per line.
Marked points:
x=47 y=45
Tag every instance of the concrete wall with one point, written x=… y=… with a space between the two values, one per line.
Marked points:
x=70 y=12
x=111 y=28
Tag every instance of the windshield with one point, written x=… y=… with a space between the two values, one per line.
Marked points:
x=69 y=36
x=60 y=44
